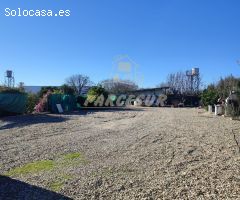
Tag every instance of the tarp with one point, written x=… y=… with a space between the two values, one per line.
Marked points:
x=68 y=102
x=13 y=103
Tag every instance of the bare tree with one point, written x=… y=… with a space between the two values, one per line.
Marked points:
x=180 y=83
x=77 y=82
x=227 y=84
x=118 y=86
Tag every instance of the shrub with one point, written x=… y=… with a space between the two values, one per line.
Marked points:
x=45 y=90
x=227 y=84
x=233 y=106
x=67 y=89
x=94 y=92
x=43 y=103
x=209 y=96
x=81 y=100
x=32 y=101
x=4 y=89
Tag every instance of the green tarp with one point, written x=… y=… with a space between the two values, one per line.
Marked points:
x=68 y=102
x=12 y=103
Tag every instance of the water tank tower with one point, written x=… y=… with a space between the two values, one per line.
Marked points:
x=194 y=78
x=195 y=71
x=9 y=78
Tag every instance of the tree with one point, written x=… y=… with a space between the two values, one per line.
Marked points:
x=210 y=95
x=44 y=90
x=227 y=84
x=95 y=92
x=77 y=82
x=32 y=100
x=181 y=83
x=119 y=86
x=67 y=89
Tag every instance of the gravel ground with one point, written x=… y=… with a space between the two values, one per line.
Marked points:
x=139 y=153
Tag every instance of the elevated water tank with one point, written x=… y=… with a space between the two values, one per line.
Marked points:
x=9 y=73
x=195 y=71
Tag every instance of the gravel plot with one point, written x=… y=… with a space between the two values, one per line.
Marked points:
x=139 y=153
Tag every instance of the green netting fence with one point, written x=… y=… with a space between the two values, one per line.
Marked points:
x=11 y=103
x=68 y=102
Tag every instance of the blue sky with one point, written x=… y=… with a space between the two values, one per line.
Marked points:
x=161 y=36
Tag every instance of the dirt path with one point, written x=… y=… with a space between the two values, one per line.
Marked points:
x=145 y=153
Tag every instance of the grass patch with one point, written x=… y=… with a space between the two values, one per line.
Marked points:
x=58 y=184
x=71 y=156
x=61 y=163
x=30 y=168
x=73 y=159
